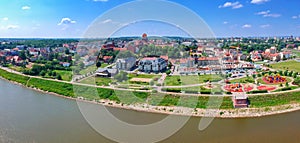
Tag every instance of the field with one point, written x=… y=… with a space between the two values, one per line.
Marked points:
x=289 y=65
x=66 y=75
x=100 y=81
x=274 y=100
x=188 y=80
x=91 y=69
x=14 y=77
x=296 y=52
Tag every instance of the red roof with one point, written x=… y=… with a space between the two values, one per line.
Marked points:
x=120 y=49
x=150 y=58
x=165 y=57
x=208 y=59
x=107 y=57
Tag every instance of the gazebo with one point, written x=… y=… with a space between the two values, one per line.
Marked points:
x=240 y=100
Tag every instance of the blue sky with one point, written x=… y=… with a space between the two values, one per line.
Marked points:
x=71 y=18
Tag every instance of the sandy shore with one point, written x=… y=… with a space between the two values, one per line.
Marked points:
x=184 y=111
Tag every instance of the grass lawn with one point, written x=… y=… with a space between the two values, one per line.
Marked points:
x=91 y=69
x=296 y=52
x=187 y=80
x=66 y=75
x=274 y=100
x=243 y=80
x=100 y=81
x=16 y=68
x=288 y=65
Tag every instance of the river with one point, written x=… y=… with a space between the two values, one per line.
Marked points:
x=28 y=116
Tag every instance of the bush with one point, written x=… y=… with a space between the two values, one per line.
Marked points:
x=258 y=91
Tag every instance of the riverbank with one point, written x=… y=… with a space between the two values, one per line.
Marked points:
x=225 y=112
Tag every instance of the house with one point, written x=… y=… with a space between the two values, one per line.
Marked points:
x=152 y=64
x=65 y=64
x=187 y=62
x=240 y=100
x=106 y=72
x=107 y=59
x=126 y=64
x=205 y=61
x=286 y=55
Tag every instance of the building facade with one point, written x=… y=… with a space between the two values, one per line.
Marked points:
x=152 y=64
x=126 y=64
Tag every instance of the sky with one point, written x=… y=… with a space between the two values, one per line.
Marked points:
x=72 y=18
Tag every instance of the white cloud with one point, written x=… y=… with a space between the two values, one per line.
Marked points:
x=296 y=17
x=107 y=21
x=247 y=26
x=225 y=22
x=263 y=12
x=26 y=7
x=259 y=1
x=66 y=21
x=268 y=14
x=233 y=5
x=100 y=0
x=265 y=26
x=5 y=18
x=12 y=27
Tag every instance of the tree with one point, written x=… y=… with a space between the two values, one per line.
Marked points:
x=98 y=64
x=67 y=51
x=58 y=77
x=291 y=74
x=254 y=76
x=295 y=75
x=286 y=73
x=43 y=73
x=81 y=65
x=22 y=55
x=287 y=84
x=168 y=72
x=121 y=76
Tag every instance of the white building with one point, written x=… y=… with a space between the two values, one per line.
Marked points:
x=126 y=64
x=152 y=64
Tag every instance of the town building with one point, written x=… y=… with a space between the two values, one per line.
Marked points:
x=106 y=72
x=126 y=64
x=152 y=64
x=240 y=100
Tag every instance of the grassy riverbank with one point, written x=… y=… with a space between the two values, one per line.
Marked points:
x=157 y=99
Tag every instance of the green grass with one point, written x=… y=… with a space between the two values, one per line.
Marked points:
x=187 y=80
x=274 y=100
x=14 y=77
x=296 y=52
x=243 y=80
x=130 y=76
x=288 y=65
x=91 y=69
x=66 y=75
x=191 y=101
x=92 y=93
x=100 y=81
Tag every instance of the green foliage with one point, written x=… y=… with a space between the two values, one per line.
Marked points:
x=274 y=100
x=14 y=77
x=122 y=76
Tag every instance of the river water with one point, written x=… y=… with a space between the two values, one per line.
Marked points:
x=28 y=116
